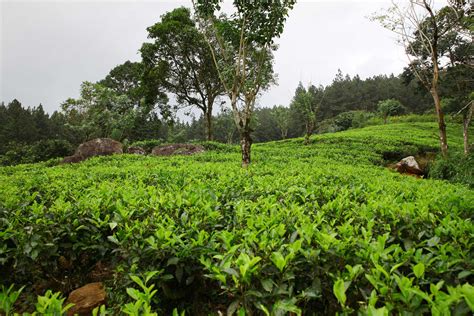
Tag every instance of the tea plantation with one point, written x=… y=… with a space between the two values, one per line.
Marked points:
x=311 y=229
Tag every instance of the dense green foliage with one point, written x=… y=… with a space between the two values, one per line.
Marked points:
x=180 y=56
x=456 y=167
x=307 y=103
x=332 y=231
x=348 y=93
x=390 y=107
x=315 y=226
x=30 y=134
x=21 y=125
x=19 y=153
x=101 y=112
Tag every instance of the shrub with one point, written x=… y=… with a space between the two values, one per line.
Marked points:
x=47 y=149
x=19 y=153
x=360 y=118
x=390 y=107
x=455 y=168
x=147 y=144
x=413 y=118
x=344 y=121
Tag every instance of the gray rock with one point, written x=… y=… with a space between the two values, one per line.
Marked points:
x=409 y=165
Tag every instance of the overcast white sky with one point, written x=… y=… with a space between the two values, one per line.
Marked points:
x=49 y=47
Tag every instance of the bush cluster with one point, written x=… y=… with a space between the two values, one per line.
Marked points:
x=457 y=167
x=18 y=153
x=148 y=144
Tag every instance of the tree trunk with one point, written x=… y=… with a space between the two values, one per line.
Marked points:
x=245 y=144
x=208 y=118
x=465 y=135
x=443 y=141
x=306 y=138
x=230 y=137
x=385 y=119
x=309 y=132
x=441 y=125
x=208 y=126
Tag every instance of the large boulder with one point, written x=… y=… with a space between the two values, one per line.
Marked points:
x=86 y=298
x=136 y=150
x=177 y=149
x=95 y=147
x=409 y=165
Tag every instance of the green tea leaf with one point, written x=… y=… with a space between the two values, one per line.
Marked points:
x=468 y=293
x=419 y=270
x=339 y=291
x=267 y=284
x=279 y=261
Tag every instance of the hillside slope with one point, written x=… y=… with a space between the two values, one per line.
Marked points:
x=316 y=229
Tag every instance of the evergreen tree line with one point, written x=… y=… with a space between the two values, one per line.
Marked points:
x=347 y=102
x=22 y=126
x=29 y=134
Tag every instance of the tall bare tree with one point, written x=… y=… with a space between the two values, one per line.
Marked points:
x=467 y=111
x=421 y=31
x=242 y=47
x=281 y=115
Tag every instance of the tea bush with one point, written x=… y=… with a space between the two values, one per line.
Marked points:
x=307 y=229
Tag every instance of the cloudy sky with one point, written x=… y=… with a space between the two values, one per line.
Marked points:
x=49 y=47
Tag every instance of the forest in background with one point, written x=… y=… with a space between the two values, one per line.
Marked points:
x=29 y=134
